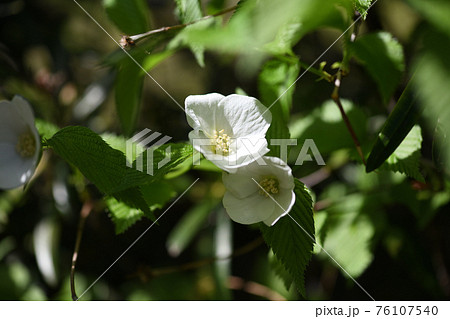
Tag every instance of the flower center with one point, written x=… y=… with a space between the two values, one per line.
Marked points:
x=26 y=144
x=221 y=143
x=269 y=186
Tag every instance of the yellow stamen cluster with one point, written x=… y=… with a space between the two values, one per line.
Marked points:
x=270 y=186
x=26 y=144
x=221 y=143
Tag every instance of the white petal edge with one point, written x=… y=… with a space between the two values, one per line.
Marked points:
x=286 y=199
x=201 y=111
x=239 y=185
x=250 y=210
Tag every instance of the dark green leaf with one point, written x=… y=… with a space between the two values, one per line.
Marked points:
x=128 y=88
x=101 y=164
x=382 y=55
x=130 y=16
x=292 y=237
x=397 y=126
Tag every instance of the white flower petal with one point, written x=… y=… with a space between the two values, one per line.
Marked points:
x=14 y=170
x=201 y=111
x=285 y=199
x=246 y=115
x=24 y=110
x=11 y=124
x=240 y=185
x=250 y=210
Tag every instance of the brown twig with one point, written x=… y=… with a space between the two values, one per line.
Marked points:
x=84 y=213
x=130 y=40
x=254 y=288
x=343 y=70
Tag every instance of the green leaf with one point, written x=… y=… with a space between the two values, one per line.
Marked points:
x=406 y=157
x=97 y=161
x=325 y=126
x=435 y=11
x=130 y=16
x=128 y=88
x=348 y=238
x=122 y=215
x=432 y=81
x=292 y=237
x=397 y=126
x=188 y=226
x=383 y=58
x=362 y=6
x=189 y=11
x=275 y=84
x=46 y=129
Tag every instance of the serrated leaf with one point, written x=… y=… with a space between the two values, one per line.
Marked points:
x=122 y=215
x=125 y=213
x=406 y=157
x=130 y=16
x=362 y=6
x=382 y=56
x=292 y=237
x=396 y=128
x=100 y=163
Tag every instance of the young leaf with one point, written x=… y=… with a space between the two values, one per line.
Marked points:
x=292 y=237
x=397 y=126
x=406 y=157
x=130 y=16
x=362 y=6
x=382 y=55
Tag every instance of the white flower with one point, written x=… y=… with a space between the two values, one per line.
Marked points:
x=19 y=143
x=258 y=193
x=229 y=131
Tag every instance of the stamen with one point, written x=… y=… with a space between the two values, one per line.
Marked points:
x=270 y=186
x=26 y=144
x=221 y=143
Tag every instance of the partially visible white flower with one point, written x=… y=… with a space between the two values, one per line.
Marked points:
x=228 y=130
x=258 y=193
x=19 y=143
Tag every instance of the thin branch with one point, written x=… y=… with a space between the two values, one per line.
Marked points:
x=343 y=70
x=254 y=288
x=128 y=41
x=84 y=213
